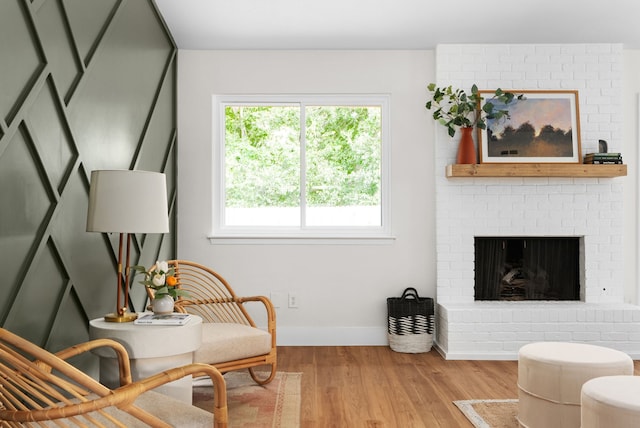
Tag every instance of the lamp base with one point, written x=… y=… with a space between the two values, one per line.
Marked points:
x=126 y=317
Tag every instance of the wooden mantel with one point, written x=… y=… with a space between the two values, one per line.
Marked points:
x=536 y=170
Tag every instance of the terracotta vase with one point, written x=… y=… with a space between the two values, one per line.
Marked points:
x=466 y=149
x=162 y=305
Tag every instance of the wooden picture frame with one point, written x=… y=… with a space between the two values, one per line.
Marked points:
x=542 y=128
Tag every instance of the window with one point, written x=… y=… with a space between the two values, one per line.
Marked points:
x=302 y=166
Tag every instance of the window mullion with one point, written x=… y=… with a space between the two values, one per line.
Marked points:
x=303 y=166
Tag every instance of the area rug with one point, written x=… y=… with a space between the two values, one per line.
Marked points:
x=490 y=413
x=274 y=405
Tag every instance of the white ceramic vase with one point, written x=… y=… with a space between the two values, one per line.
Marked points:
x=162 y=305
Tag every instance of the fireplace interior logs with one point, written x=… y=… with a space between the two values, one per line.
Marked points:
x=527 y=268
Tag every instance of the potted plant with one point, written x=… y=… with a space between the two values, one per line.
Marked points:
x=453 y=108
x=165 y=285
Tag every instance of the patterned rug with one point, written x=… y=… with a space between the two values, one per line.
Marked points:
x=490 y=413
x=274 y=405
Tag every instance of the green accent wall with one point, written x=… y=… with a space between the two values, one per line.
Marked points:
x=84 y=85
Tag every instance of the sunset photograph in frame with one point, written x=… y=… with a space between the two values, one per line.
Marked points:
x=544 y=127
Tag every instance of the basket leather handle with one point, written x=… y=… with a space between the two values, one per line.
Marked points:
x=410 y=292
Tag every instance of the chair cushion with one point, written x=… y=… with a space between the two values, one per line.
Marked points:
x=222 y=342
x=170 y=410
x=173 y=411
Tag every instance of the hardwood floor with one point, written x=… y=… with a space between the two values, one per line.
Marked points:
x=373 y=386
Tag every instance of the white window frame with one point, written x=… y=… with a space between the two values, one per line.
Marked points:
x=222 y=234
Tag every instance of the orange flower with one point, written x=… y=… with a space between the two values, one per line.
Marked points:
x=172 y=281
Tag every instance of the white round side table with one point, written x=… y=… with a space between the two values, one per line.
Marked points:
x=152 y=349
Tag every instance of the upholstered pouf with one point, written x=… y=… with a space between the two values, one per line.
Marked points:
x=551 y=375
x=611 y=401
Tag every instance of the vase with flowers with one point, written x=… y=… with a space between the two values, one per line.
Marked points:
x=162 y=280
x=454 y=108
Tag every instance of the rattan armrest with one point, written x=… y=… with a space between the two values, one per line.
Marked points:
x=195 y=369
x=268 y=305
x=124 y=366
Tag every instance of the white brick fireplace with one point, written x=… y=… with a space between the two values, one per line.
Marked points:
x=589 y=208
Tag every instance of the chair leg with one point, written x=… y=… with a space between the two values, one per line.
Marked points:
x=261 y=380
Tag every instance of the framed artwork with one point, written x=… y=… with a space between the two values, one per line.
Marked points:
x=542 y=128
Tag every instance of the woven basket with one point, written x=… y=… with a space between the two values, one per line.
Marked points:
x=410 y=322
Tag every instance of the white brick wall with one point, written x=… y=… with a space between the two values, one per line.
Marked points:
x=590 y=208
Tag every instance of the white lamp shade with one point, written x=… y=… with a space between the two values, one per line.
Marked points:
x=128 y=202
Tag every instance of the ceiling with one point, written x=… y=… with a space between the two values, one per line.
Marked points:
x=396 y=24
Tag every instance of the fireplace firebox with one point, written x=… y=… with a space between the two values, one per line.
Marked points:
x=527 y=268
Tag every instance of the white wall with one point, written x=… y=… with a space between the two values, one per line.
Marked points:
x=631 y=156
x=341 y=289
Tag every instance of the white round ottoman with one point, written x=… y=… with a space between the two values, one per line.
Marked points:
x=551 y=375
x=611 y=402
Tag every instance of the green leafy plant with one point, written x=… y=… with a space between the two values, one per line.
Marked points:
x=454 y=108
x=161 y=279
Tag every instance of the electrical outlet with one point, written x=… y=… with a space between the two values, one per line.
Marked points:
x=293 y=300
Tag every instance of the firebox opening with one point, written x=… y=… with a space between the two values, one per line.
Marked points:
x=527 y=268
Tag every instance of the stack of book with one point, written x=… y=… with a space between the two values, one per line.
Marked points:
x=162 y=319
x=603 y=158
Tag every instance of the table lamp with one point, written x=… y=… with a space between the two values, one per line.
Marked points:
x=126 y=202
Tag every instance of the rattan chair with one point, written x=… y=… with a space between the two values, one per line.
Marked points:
x=39 y=388
x=231 y=340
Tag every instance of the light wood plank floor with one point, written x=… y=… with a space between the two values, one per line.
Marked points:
x=373 y=386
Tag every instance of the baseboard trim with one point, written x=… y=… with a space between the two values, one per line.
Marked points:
x=327 y=336
x=375 y=336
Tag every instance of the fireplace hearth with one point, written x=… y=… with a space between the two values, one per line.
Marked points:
x=527 y=268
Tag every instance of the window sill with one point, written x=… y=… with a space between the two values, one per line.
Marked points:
x=301 y=240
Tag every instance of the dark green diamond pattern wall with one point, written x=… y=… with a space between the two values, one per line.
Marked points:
x=84 y=85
